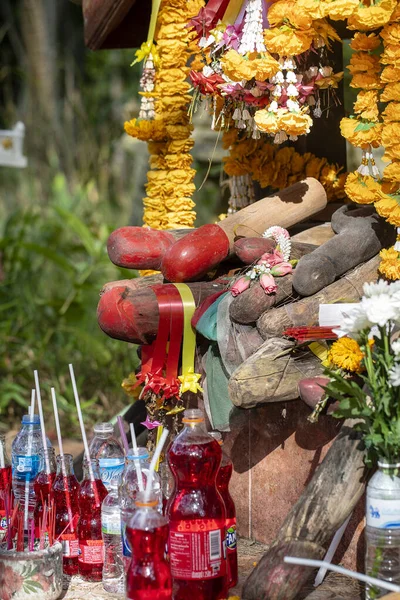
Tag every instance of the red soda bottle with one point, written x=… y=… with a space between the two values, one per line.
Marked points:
x=223 y=478
x=66 y=500
x=149 y=575
x=196 y=514
x=5 y=489
x=43 y=487
x=91 y=546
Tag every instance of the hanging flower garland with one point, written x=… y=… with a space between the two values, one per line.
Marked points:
x=277 y=168
x=257 y=63
x=163 y=121
x=379 y=78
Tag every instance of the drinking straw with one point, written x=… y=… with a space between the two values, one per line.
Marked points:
x=32 y=535
x=331 y=551
x=28 y=478
x=42 y=427
x=307 y=562
x=123 y=434
x=153 y=463
x=32 y=407
x=136 y=461
x=83 y=432
x=2 y=461
x=58 y=429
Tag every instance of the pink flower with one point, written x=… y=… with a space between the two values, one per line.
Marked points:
x=240 y=286
x=272 y=258
x=267 y=282
x=281 y=269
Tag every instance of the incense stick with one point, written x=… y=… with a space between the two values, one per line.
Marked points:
x=32 y=407
x=307 y=562
x=123 y=435
x=42 y=427
x=2 y=461
x=153 y=463
x=78 y=408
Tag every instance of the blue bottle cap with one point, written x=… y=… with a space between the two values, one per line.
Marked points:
x=27 y=420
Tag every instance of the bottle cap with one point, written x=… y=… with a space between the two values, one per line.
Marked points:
x=193 y=415
x=27 y=420
x=104 y=428
x=143 y=501
x=140 y=453
x=217 y=436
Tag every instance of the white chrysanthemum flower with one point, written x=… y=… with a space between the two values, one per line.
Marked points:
x=394 y=375
x=353 y=322
x=379 y=309
x=375 y=289
x=396 y=347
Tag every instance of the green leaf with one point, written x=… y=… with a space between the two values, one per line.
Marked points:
x=50 y=254
x=80 y=229
x=364 y=126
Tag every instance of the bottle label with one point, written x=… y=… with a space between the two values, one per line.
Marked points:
x=126 y=549
x=231 y=541
x=25 y=468
x=70 y=545
x=196 y=549
x=383 y=514
x=111 y=468
x=111 y=524
x=3 y=524
x=91 y=552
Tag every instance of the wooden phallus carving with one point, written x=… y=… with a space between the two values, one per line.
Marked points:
x=361 y=235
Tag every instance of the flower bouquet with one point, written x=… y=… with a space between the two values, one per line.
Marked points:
x=368 y=346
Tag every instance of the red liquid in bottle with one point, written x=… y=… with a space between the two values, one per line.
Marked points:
x=196 y=514
x=91 y=546
x=6 y=499
x=223 y=478
x=43 y=487
x=149 y=575
x=66 y=500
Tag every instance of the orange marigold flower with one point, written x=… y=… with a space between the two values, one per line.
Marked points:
x=367 y=101
x=365 y=42
x=179 y=132
x=392 y=172
x=362 y=61
x=341 y=9
x=390 y=264
x=295 y=123
x=391 y=56
x=145 y=130
x=324 y=32
x=390 y=134
x=392 y=153
x=388 y=206
x=288 y=10
x=360 y=188
x=266 y=121
x=395 y=16
x=391 y=92
x=390 y=74
x=317 y=9
x=288 y=41
x=366 y=81
x=392 y=112
x=376 y=15
x=361 y=134
x=391 y=33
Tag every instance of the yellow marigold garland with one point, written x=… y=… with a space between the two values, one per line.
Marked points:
x=379 y=78
x=272 y=166
x=169 y=204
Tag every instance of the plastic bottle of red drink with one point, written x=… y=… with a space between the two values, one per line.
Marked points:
x=66 y=500
x=196 y=514
x=91 y=545
x=43 y=487
x=149 y=575
x=223 y=479
x=5 y=489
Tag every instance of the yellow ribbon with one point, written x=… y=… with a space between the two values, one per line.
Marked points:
x=320 y=352
x=148 y=47
x=232 y=12
x=189 y=379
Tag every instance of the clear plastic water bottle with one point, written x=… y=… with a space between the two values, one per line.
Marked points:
x=137 y=465
x=383 y=527
x=108 y=451
x=113 y=568
x=27 y=459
